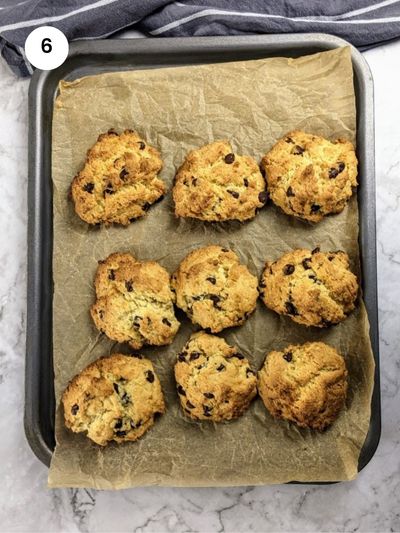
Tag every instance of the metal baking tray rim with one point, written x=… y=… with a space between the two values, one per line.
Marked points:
x=116 y=55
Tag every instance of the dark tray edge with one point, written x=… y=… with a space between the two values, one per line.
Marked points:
x=40 y=215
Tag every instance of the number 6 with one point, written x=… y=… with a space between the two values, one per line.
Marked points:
x=46 y=46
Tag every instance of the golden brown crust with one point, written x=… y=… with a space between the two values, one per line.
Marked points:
x=214 y=289
x=309 y=176
x=119 y=180
x=115 y=398
x=216 y=184
x=134 y=302
x=314 y=288
x=214 y=381
x=305 y=384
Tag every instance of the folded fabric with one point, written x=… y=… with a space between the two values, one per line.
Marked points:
x=364 y=23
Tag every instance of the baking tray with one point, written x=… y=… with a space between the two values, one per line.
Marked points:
x=94 y=57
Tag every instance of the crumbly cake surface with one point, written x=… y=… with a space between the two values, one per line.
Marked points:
x=116 y=398
x=119 y=181
x=216 y=184
x=309 y=176
x=134 y=301
x=214 y=381
x=214 y=289
x=305 y=384
x=313 y=288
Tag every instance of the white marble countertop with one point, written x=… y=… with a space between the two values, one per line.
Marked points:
x=370 y=503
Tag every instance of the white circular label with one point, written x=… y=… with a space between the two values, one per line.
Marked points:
x=46 y=48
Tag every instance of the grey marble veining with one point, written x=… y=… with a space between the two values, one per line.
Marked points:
x=371 y=503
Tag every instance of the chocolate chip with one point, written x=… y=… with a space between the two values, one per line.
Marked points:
x=238 y=355
x=220 y=368
x=331 y=257
x=111 y=274
x=88 y=187
x=215 y=300
x=206 y=410
x=209 y=395
x=125 y=399
x=120 y=433
x=137 y=425
x=101 y=314
x=146 y=206
x=288 y=356
x=288 y=269
x=74 y=409
x=289 y=191
x=233 y=193
x=129 y=286
x=315 y=208
x=149 y=376
x=142 y=146
x=245 y=182
x=123 y=174
x=263 y=197
x=166 y=322
x=181 y=357
x=189 y=405
x=333 y=172
x=109 y=189
x=118 y=424
x=181 y=390
x=136 y=320
x=212 y=280
x=291 y=309
x=124 y=396
x=194 y=181
x=289 y=140
x=298 y=150
x=306 y=263
x=316 y=250
x=194 y=355
x=229 y=159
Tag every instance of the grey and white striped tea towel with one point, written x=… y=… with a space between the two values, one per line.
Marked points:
x=364 y=23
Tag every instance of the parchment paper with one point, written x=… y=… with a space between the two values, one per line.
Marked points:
x=253 y=103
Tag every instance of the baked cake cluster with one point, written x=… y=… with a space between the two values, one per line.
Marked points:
x=306 y=175
x=119 y=397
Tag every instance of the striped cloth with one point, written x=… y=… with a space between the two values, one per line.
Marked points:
x=364 y=23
